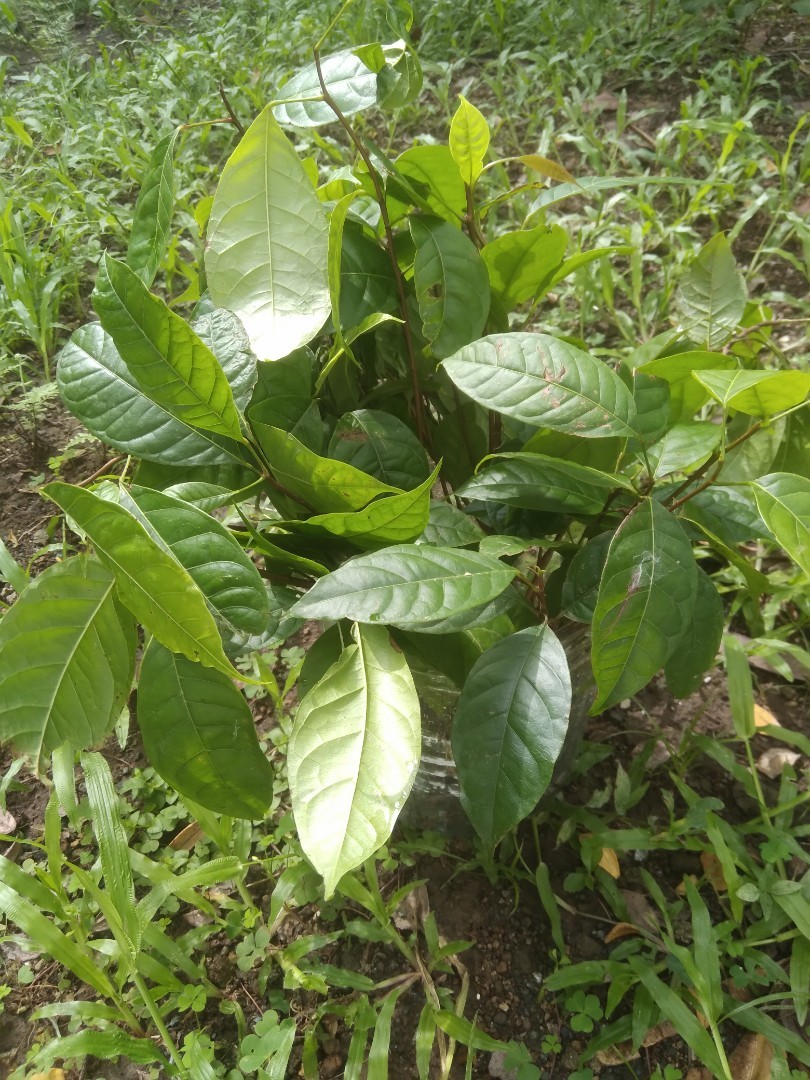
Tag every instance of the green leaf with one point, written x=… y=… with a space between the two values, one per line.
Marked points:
x=546 y=382
x=379 y=444
x=353 y=755
x=149 y=238
x=581 y=586
x=326 y=485
x=434 y=168
x=595 y=454
x=379 y=1053
x=452 y=285
x=519 y=262
x=469 y=140
x=728 y=513
x=367 y=285
x=509 y=728
x=11 y=571
x=645 y=603
x=172 y=365
x=684 y=448
x=350 y=82
x=390 y=520
x=575 y=262
x=450 y=527
x=210 y=553
x=406 y=585
x=151 y=583
x=757 y=393
x=756 y=454
x=106 y=1045
x=466 y=1033
x=199 y=734
x=783 y=500
x=800 y=977
x=98 y=388
x=712 y=295
x=67 y=657
x=794 y=451
x=697 y=650
x=460 y=439
x=535 y=482
x=398 y=84
x=267 y=251
x=686 y=395
x=651 y=396
x=337 y=220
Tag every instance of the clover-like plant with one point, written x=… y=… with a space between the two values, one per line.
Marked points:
x=362 y=424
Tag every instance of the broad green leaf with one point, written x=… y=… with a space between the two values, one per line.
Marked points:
x=67 y=656
x=697 y=650
x=225 y=336
x=212 y=556
x=353 y=755
x=171 y=364
x=452 y=285
x=327 y=485
x=450 y=527
x=199 y=734
x=379 y=444
x=651 y=396
x=460 y=439
x=546 y=167
x=740 y=688
x=399 y=83
x=645 y=603
x=406 y=585
x=794 y=452
x=684 y=447
x=519 y=262
x=593 y=453
x=581 y=587
x=543 y=381
x=266 y=258
x=509 y=728
x=757 y=393
x=433 y=167
x=337 y=220
x=98 y=388
x=158 y=591
x=11 y=571
x=394 y=519
x=149 y=238
x=485 y=616
x=469 y=140
x=228 y=475
x=367 y=284
x=535 y=482
x=783 y=500
x=686 y=395
x=349 y=80
x=712 y=295
x=728 y=513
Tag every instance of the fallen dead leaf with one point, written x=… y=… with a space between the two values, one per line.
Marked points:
x=8 y=823
x=187 y=837
x=621 y=930
x=681 y=889
x=698 y=1074
x=713 y=871
x=51 y=1074
x=609 y=862
x=772 y=763
x=751 y=1058
x=623 y=1052
x=641 y=911
x=764 y=717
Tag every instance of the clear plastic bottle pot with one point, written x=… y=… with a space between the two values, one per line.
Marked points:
x=434 y=803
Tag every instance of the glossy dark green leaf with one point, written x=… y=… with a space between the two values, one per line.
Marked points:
x=379 y=444
x=228 y=475
x=645 y=602
x=581 y=587
x=601 y=454
x=543 y=381
x=460 y=439
x=67 y=656
x=151 y=222
x=225 y=336
x=535 y=482
x=486 y=615
x=171 y=364
x=684 y=447
x=452 y=285
x=450 y=527
x=367 y=282
x=686 y=394
x=712 y=295
x=158 y=591
x=353 y=755
x=729 y=513
x=509 y=728
x=697 y=650
x=407 y=586
x=199 y=734
x=783 y=501
x=756 y=454
x=519 y=262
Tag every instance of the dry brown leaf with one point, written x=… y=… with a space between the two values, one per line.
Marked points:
x=187 y=838
x=623 y=1052
x=713 y=871
x=609 y=862
x=621 y=930
x=641 y=911
x=51 y=1074
x=751 y=1058
x=764 y=717
x=772 y=763
x=681 y=889
x=698 y=1074
x=8 y=823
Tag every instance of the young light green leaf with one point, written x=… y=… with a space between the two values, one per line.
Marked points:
x=783 y=501
x=67 y=656
x=686 y=395
x=199 y=734
x=757 y=393
x=546 y=382
x=351 y=83
x=452 y=285
x=696 y=652
x=149 y=238
x=509 y=728
x=645 y=603
x=432 y=166
x=172 y=365
x=267 y=251
x=353 y=755
x=536 y=482
x=740 y=688
x=151 y=583
x=381 y=445
x=712 y=296
x=469 y=140
x=519 y=262
x=407 y=586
